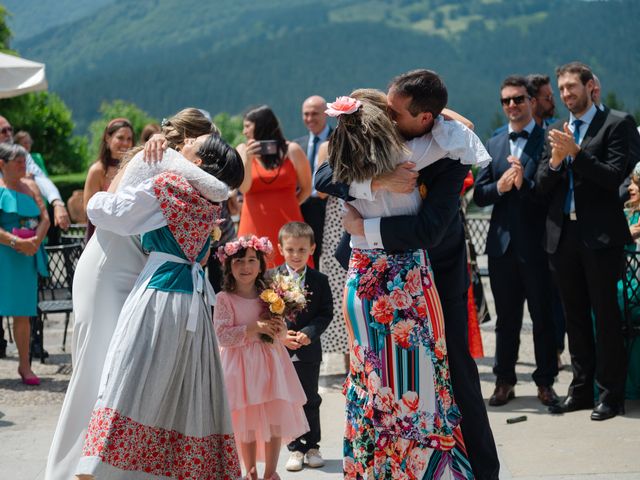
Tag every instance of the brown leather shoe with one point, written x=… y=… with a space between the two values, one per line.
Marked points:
x=502 y=394
x=548 y=396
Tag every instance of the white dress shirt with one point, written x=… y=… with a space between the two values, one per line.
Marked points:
x=446 y=141
x=587 y=118
x=517 y=147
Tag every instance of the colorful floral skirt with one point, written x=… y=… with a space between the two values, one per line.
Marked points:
x=402 y=421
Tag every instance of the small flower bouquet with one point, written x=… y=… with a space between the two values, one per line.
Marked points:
x=284 y=297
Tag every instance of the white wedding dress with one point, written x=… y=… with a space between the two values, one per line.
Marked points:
x=105 y=275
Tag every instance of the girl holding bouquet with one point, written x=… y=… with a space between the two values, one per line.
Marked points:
x=265 y=395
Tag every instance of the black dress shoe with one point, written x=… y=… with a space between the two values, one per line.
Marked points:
x=604 y=411
x=571 y=404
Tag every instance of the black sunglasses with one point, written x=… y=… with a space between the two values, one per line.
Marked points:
x=6 y=130
x=517 y=100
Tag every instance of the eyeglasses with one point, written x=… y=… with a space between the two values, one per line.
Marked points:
x=517 y=100
x=6 y=130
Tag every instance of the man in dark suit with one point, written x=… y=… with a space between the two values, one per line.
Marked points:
x=438 y=228
x=583 y=164
x=518 y=267
x=543 y=104
x=314 y=208
x=632 y=131
x=296 y=243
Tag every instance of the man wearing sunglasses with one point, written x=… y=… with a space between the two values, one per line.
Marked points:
x=583 y=164
x=518 y=268
x=545 y=105
x=46 y=186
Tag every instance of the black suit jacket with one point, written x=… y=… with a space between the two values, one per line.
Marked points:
x=315 y=318
x=634 y=149
x=517 y=218
x=598 y=170
x=437 y=226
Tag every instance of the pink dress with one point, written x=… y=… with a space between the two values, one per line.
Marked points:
x=264 y=393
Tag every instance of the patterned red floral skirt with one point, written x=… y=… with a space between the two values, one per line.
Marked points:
x=402 y=421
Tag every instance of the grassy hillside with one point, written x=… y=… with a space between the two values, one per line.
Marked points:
x=229 y=54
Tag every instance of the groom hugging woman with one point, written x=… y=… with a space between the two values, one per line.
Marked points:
x=420 y=344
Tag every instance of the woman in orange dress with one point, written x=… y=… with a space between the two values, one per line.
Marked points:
x=277 y=178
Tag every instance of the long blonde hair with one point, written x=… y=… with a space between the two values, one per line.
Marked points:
x=365 y=144
x=187 y=123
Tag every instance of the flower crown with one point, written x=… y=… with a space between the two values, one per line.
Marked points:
x=343 y=106
x=229 y=249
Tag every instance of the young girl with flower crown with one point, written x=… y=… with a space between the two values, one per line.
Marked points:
x=265 y=395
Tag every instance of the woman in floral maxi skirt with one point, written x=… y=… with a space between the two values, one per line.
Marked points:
x=401 y=418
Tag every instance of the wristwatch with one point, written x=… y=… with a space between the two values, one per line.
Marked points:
x=12 y=243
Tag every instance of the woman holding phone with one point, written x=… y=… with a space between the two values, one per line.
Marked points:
x=277 y=178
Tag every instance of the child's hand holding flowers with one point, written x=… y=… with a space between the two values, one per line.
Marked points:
x=268 y=327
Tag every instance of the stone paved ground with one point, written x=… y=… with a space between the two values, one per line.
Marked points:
x=567 y=447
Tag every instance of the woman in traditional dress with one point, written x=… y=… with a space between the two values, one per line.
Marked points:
x=106 y=274
x=161 y=410
x=402 y=420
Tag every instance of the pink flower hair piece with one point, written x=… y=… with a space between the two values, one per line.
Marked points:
x=343 y=106
x=229 y=249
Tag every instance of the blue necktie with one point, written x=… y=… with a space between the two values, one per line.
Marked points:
x=314 y=149
x=576 y=137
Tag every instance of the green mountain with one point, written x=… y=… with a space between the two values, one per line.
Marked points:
x=226 y=55
x=32 y=17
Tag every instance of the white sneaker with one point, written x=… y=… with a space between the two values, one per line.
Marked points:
x=314 y=459
x=294 y=464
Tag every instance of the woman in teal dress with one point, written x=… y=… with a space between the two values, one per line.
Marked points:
x=632 y=212
x=23 y=225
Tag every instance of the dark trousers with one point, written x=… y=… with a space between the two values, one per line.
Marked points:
x=313 y=210
x=214 y=270
x=309 y=373
x=558 y=316
x=512 y=281
x=587 y=280
x=478 y=438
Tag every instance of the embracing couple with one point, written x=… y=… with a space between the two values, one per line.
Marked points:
x=414 y=405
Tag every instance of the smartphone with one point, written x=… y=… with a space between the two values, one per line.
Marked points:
x=268 y=147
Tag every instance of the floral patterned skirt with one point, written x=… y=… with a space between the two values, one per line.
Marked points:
x=402 y=421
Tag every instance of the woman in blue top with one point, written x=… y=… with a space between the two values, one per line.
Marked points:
x=23 y=225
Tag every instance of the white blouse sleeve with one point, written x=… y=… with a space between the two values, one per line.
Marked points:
x=209 y=186
x=130 y=211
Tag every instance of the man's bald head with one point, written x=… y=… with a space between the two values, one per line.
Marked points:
x=313 y=114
